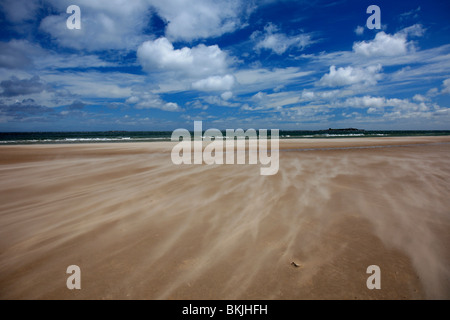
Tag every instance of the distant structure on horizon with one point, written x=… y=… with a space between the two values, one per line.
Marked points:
x=345 y=130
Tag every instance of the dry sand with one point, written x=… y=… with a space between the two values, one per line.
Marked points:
x=140 y=227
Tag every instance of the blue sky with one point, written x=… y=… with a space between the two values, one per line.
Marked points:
x=161 y=64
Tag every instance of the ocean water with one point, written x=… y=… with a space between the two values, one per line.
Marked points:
x=11 y=138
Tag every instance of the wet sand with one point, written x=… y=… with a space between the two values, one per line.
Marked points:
x=140 y=227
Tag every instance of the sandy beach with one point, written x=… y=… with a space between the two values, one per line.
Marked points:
x=140 y=227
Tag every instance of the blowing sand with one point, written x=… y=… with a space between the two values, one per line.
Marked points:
x=140 y=227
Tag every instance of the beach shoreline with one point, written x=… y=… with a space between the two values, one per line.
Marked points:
x=140 y=227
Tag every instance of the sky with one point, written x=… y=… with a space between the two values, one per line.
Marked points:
x=147 y=65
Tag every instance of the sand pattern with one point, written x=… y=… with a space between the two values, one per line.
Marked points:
x=140 y=227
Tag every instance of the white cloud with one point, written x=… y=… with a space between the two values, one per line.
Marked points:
x=366 y=102
x=359 y=30
x=253 y=80
x=226 y=95
x=94 y=84
x=308 y=95
x=214 y=83
x=331 y=94
x=119 y=24
x=219 y=101
x=351 y=75
x=417 y=66
x=152 y=101
x=279 y=42
x=204 y=68
x=389 y=45
x=400 y=108
x=62 y=88
x=105 y=24
x=22 y=54
x=275 y=100
x=416 y=30
x=132 y=100
x=190 y=20
x=196 y=62
x=433 y=92
x=294 y=98
x=446 y=85
x=373 y=110
x=171 y=106
x=260 y=96
x=196 y=104
x=383 y=45
x=420 y=98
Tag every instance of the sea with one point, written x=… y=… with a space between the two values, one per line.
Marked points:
x=14 y=138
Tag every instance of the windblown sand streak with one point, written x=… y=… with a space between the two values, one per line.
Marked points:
x=140 y=227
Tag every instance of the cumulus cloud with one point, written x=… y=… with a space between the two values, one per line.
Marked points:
x=393 y=108
x=278 y=42
x=114 y=24
x=351 y=75
x=372 y=110
x=106 y=24
x=215 y=83
x=383 y=45
x=389 y=45
x=171 y=106
x=226 y=95
x=446 y=85
x=132 y=100
x=16 y=87
x=190 y=20
x=152 y=101
x=199 y=61
x=203 y=68
x=420 y=98
x=366 y=102
x=402 y=108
